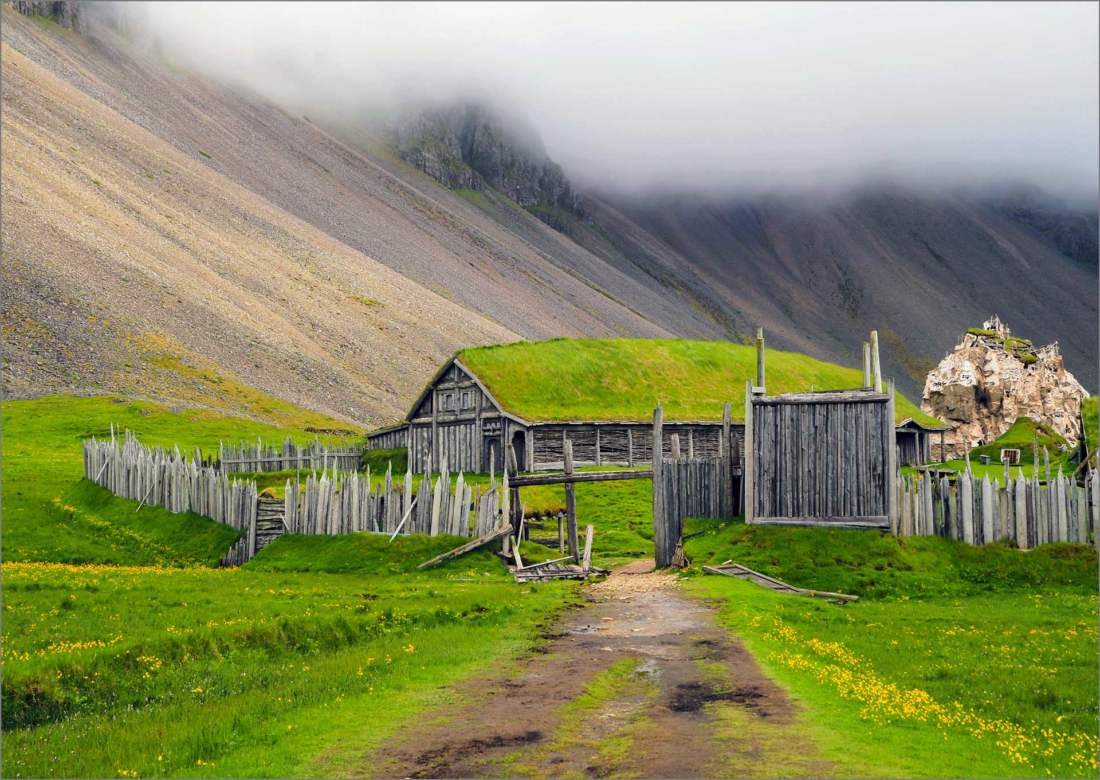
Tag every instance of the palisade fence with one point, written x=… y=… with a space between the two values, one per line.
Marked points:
x=344 y=503
x=332 y=502
x=1021 y=510
x=291 y=455
x=168 y=479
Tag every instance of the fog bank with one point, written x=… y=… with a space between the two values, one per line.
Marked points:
x=721 y=97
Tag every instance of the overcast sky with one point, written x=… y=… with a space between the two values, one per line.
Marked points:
x=708 y=95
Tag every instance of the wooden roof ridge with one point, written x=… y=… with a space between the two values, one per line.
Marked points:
x=941 y=427
x=439 y=372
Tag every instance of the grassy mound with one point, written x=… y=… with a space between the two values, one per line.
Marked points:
x=50 y=514
x=1023 y=433
x=880 y=566
x=623 y=379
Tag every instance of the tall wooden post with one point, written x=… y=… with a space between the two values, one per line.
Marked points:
x=434 y=464
x=876 y=365
x=571 y=504
x=512 y=470
x=750 y=455
x=760 y=359
x=866 y=365
x=662 y=555
x=891 y=445
x=726 y=463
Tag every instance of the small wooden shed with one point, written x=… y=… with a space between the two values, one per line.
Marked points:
x=914 y=439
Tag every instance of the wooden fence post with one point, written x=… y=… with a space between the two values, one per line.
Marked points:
x=891 y=445
x=749 y=461
x=987 y=510
x=571 y=504
x=966 y=506
x=1020 y=499
x=252 y=529
x=876 y=365
x=1094 y=482
x=866 y=365
x=726 y=464
x=515 y=508
x=760 y=359
x=660 y=521
x=437 y=499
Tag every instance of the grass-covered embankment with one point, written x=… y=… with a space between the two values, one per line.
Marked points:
x=956 y=661
x=50 y=514
x=124 y=655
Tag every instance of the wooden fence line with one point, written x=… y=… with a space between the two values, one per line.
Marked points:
x=343 y=503
x=983 y=511
x=168 y=479
x=258 y=457
x=333 y=502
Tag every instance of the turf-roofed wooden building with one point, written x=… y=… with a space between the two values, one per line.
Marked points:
x=600 y=395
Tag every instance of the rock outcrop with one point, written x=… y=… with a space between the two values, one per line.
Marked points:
x=467 y=147
x=65 y=12
x=992 y=378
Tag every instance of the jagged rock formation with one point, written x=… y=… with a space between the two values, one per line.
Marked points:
x=467 y=147
x=991 y=379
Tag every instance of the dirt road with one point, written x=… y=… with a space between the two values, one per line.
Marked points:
x=638 y=683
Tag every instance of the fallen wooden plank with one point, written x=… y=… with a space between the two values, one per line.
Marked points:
x=530 y=566
x=481 y=541
x=763 y=580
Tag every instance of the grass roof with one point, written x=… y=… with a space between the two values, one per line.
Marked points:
x=623 y=379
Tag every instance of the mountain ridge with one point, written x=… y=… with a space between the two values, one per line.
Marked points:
x=604 y=266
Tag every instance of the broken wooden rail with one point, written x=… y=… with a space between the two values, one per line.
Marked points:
x=481 y=541
x=730 y=569
x=580 y=476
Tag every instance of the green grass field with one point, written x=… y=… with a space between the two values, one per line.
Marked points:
x=125 y=654
x=623 y=379
x=956 y=661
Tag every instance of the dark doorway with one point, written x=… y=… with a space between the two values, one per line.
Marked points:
x=519 y=444
x=490 y=454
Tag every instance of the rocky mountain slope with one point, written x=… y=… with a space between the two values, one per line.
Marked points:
x=465 y=146
x=160 y=225
x=992 y=378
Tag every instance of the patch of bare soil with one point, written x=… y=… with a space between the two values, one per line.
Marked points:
x=692 y=681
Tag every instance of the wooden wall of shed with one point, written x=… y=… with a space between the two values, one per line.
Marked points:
x=821 y=460
x=390 y=440
x=909 y=448
x=624 y=443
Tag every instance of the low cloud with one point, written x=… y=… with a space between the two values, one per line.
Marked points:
x=713 y=96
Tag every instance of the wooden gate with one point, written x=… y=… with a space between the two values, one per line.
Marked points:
x=687 y=487
x=825 y=458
